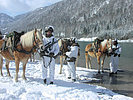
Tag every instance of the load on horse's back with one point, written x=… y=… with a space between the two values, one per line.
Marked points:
x=97 y=49
x=64 y=45
x=11 y=40
x=1 y=36
x=29 y=42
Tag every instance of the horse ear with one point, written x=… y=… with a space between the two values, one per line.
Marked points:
x=35 y=30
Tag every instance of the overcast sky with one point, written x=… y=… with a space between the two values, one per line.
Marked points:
x=16 y=7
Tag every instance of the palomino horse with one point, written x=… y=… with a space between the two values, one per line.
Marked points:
x=28 y=44
x=64 y=44
x=97 y=50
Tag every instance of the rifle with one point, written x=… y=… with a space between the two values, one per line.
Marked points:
x=46 y=47
x=113 y=51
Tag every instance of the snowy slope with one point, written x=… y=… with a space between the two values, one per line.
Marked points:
x=63 y=89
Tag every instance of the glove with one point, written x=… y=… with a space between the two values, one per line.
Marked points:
x=42 y=48
x=119 y=55
x=115 y=54
x=69 y=48
x=51 y=54
x=41 y=54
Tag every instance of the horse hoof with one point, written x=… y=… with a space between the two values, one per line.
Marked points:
x=98 y=72
x=16 y=80
x=24 y=78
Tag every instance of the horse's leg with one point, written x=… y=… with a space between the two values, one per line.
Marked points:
x=7 y=67
x=1 y=64
x=89 y=59
x=24 y=68
x=102 y=62
x=86 y=59
x=61 y=64
x=98 y=60
x=17 y=69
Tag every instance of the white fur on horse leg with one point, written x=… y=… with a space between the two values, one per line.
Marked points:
x=23 y=76
x=102 y=68
x=90 y=63
x=16 y=78
x=60 y=69
x=99 y=69
x=86 y=58
x=17 y=70
x=61 y=63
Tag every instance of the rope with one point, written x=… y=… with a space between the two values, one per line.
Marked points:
x=48 y=63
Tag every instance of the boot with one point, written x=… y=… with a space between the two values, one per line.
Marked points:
x=45 y=81
x=51 y=83
x=73 y=80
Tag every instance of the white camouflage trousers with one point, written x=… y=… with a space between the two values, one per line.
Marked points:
x=114 y=61
x=47 y=65
x=71 y=71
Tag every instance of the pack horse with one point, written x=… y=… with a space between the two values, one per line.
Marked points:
x=99 y=49
x=21 y=52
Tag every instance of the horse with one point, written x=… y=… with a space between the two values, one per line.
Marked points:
x=64 y=45
x=29 y=42
x=97 y=50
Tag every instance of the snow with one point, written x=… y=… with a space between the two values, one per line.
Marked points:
x=62 y=89
x=93 y=38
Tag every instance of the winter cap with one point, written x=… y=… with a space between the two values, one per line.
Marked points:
x=49 y=28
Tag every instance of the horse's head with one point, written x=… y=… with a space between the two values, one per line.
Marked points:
x=38 y=38
x=109 y=46
x=97 y=43
x=64 y=45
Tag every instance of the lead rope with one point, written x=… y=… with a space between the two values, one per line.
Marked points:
x=48 y=63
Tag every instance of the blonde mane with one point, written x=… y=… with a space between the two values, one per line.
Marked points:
x=27 y=39
x=60 y=43
x=104 y=43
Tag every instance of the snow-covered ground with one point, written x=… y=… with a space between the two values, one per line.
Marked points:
x=62 y=89
x=93 y=38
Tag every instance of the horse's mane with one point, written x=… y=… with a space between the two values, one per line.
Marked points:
x=60 y=43
x=27 y=39
x=103 y=43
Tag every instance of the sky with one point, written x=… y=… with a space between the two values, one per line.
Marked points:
x=16 y=7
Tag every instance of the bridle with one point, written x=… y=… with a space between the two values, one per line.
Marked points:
x=36 y=40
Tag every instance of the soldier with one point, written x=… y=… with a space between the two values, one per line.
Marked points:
x=49 y=54
x=114 y=60
x=71 y=58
